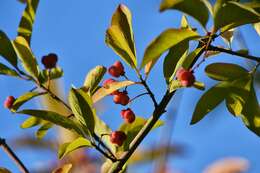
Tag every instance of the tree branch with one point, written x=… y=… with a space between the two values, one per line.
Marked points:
x=149 y=91
x=250 y=57
x=12 y=155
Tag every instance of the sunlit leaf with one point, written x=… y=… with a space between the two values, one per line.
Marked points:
x=63 y=169
x=225 y=71
x=165 y=41
x=26 y=56
x=6 y=49
x=42 y=131
x=199 y=9
x=54 y=118
x=199 y=85
x=31 y=122
x=4 y=70
x=120 y=35
x=209 y=100
x=4 y=170
x=25 y=98
x=81 y=105
x=131 y=130
x=228 y=36
x=93 y=78
x=104 y=91
x=230 y=14
x=174 y=85
x=27 y=20
x=68 y=147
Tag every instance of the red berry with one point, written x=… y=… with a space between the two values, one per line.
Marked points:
x=106 y=84
x=186 y=77
x=128 y=115
x=117 y=69
x=117 y=137
x=9 y=101
x=121 y=98
x=50 y=61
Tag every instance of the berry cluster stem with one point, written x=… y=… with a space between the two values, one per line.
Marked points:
x=12 y=155
x=149 y=91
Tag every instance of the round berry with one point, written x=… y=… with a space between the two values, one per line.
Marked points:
x=128 y=115
x=119 y=67
x=121 y=98
x=113 y=71
x=50 y=61
x=9 y=101
x=118 y=137
x=185 y=77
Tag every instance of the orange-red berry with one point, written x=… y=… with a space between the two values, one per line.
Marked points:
x=49 y=61
x=128 y=115
x=121 y=98
x=9 y=101
x=106 y=84
x=118 y=137
x=117 y=69
x=186 y=77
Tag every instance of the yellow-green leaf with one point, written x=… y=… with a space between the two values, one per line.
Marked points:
x=4 y=70
x=31 y=122
x=199 y=9
x=120 y=37
x=225 y=71
x=26 y=56
x=93 y=78
x=230 y=14
x=7 y=50
x=27 y=20
x=165 y=41
x=104 y=91
x=4 y=170
x=68 y=147
x=42 y=131
x=50 y=74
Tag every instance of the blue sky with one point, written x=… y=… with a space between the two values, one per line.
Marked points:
x=75 y=30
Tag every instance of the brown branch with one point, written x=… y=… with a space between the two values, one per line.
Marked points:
x=12 y=155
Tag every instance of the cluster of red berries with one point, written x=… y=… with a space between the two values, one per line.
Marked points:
x=49 y=61
x=186 y=77
x=119 y=97
x=9 y=101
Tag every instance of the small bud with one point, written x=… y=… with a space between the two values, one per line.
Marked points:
x=9 y=101
x=121 y=98
x=128 y=115
x=50 y=61
x=118 y=137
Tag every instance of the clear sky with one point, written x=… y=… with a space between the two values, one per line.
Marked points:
x=75 y=30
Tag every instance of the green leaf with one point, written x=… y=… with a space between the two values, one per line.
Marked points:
x=238 y=94
x=54 y=118
x=6 y=49
x=257 y=27
x=199 y=9
x=42 y=131
x=230 y=14
x=165 y=41
x=54 y=73
x=93 y=78
x=31 y=122
x=131 y=130
x=104 y=91
x=27 y=20
x=228 y=36
x=120 y=35
x=251 y=112
x=82 y=107
x=63 y=169
x=174 y=85
x=24 y=98
x=199 y=85
x=225 y=71
x=4 y=70
x=174 y=55
x=68 y=147
x=4 y=170
x=24 y=51
x=209 y=100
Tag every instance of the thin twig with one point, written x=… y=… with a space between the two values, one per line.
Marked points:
x=12 y=155
x=143 y=82
x=250 y=57
x=138 y=97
